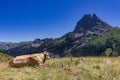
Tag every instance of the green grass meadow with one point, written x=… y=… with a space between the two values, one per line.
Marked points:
x=89 y=68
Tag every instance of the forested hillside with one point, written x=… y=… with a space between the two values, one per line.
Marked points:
x=107 y=44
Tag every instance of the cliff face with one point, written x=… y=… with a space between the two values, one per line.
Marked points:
x=88 y=22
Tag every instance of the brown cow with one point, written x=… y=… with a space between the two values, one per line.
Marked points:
x=29 y=60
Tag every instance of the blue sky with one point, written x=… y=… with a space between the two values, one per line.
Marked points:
x=25 y=20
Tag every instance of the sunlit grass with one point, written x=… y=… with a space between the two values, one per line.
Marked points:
x=90 y=68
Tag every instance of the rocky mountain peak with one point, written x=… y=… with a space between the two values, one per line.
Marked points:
x=89 y=21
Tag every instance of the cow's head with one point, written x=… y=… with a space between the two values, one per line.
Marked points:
x=46 y=54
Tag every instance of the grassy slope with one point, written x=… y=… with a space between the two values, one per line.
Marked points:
x=4 y=57
x=92 y=68
x=112 y=33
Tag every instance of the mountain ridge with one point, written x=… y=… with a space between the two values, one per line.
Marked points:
x=87 y=28
x=88 y=21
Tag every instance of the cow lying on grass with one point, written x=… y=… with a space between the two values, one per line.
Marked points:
x=29 y=60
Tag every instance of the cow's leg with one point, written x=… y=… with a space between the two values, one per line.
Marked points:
x=40 y=63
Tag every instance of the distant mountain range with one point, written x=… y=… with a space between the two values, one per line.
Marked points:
x=84 y=40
